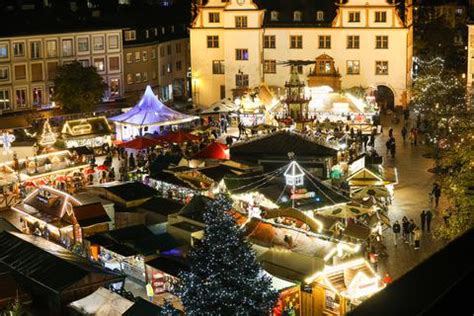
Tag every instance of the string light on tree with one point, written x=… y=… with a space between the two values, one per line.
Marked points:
x=47 y=137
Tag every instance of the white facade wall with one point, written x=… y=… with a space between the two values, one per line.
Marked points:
x=207 y=86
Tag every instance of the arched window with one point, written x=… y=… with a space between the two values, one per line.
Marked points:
x=297 y=16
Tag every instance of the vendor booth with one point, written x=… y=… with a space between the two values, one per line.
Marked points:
x=148 y=116
x=91 y=132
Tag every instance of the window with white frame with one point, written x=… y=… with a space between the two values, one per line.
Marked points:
x=296 y=41
x=269 y=66
x=98 y=43
x=353 y=67
x=130 y=35
x=320 y=16
x=51 y=48
x=114 y=63
x=114 y=87
x=381 y=42
x=214 y=17
x=274 y=15
x=212 y=41
x=113 y=41
x=269 y=41
x=353 y=42
x=35 y=50
x=20 y=97
x=20 y=72
x=19 y=49
x=241 y=22
x=144 y=55
x=380 y=16
x=354 y=16
x=325 y=41
x=241 y=80
x=5 y=102
x=3 y=50
x=381 y=67
x=37 y=94
x=67 y=48
x=218 y=67
x=241 y=54
x=138 y=77
x=83 y=44
x=137 y=57
x=99 y=64
x=129 y=58
x=4 y=73
x=297 y=16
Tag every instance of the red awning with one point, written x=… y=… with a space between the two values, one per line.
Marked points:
x=178 y=137
x=213 y=151
x=140 y=143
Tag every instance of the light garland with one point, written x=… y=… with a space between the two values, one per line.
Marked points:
x=47 y=137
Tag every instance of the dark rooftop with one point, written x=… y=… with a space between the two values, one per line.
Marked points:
x=131 y=191
x=143 y=307
x=53 y=267
x=161 y=205
x=169 y=265
x=196 y=208
x=90 y=214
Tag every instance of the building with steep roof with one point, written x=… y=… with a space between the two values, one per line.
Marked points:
x=241 y=43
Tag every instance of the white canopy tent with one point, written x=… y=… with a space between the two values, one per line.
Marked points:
x=102 y=303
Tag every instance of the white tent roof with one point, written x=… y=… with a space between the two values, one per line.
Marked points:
x=102 y=303
x=222 y=106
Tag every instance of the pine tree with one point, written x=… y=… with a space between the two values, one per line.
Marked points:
x=225 y=277
x=168 y=309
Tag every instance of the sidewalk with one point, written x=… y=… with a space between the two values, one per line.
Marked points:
x=411 y=197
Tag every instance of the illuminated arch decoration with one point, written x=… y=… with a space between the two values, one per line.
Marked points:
x=315 y=225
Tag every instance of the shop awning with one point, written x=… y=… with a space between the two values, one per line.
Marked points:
x=213 y=151
x=140 y=143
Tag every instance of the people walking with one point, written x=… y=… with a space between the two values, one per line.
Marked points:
x=416 y=237
x=436 y=192
x=429 y=217
x=390 y=133
x=392 y=147
x=404 y=134
x=396 y=231
x=405 y=227
x=411 y=232
x=423 y=220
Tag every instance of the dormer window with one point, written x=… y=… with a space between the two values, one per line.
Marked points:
x=274 y=15
x=320 y=16
x=297 y=16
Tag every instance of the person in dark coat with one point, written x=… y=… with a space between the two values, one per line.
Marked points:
x=411 y=231
x=429 y=217
x=404 y=134
x=390 y=133
x=396 y=231
x=393 y=147
x=436 y=193
x=405 y=226
x=423 y=220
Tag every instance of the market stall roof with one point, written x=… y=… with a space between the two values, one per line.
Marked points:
x=82 y=150
x=138 y=238
x=90 y=214
x=222 y=106
x=143 y=308
x=169 y=265
x=102 y=302
x=149 y=111
x=215 y=150
x=86 y=127
x=47 y=264
x=275 y=188
x=289 y=265
x=140 y=143
x=196 y=208
x=373 y=175
x=280 y=144
x=130 y=191
x=162 y=205
x=217 y=173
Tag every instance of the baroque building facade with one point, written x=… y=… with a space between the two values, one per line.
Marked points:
x=238 y=44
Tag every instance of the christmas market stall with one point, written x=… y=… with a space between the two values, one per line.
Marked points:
x=336 y=290
x=163 y=273
x=92 y=132
x=60 y=217
x=101 y=302
x=150 y=116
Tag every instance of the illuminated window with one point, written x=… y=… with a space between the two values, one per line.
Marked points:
x=296 y=41
x=353 y=67
x=297 y=16
x=353 y=41
x=325 y=41
x=213 y=41
x=381 y=67
x=381 y=42
x=241 y=54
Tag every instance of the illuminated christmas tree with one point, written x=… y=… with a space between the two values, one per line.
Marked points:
x=47 y=137
x=225 y=277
